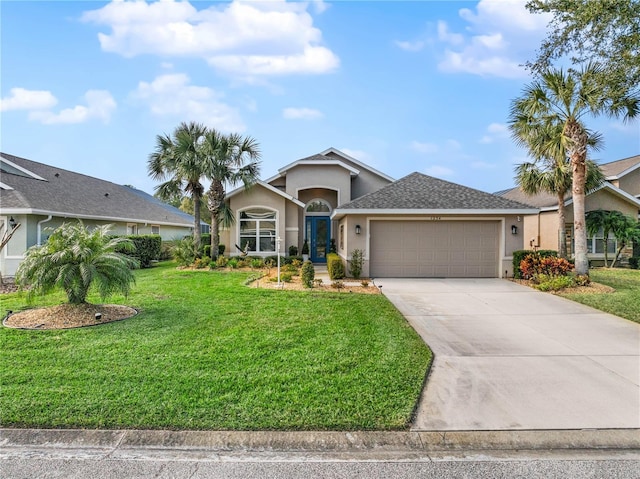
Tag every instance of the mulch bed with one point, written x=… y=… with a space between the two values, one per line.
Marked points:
x=67 y=316
x=590 y=289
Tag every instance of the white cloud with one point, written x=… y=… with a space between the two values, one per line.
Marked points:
x=23 y=99
x=409 y=46
x=301 y=114
x=172 y=95
x=99 y=105
x=439 y=171
x=425 y=148
x=258 y=38
x=320 y=6
x=501 y=35
x=495 y=131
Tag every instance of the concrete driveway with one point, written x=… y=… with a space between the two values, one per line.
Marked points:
x=509 y=357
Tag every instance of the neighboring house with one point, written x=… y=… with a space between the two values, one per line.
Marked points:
x=417 y=226
x=620 y=192
x=42 y=197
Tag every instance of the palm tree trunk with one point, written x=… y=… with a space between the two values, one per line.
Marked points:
x=578 y=138
x=562 y=236
x=216 y=198
x=197 y=232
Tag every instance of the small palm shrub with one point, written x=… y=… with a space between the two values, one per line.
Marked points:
x=221 y=261
x=308 y=274
x=257 y=263
x=183 y=251
x=233 y=263
x=355 y=266
x=75 y=258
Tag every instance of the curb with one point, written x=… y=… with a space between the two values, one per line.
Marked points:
x=319 y=442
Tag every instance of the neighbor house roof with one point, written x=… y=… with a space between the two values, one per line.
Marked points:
x=29 y=187
x=421 y=193
x=548 y=202
x=617 y=169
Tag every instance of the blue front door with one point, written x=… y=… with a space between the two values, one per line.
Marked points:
x=318 y=233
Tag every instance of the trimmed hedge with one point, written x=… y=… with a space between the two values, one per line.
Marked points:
x=335 y=268
x=519 y=255
x=634 y=262
x=148 y=249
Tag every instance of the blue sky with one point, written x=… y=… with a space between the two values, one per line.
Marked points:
x=402 y=86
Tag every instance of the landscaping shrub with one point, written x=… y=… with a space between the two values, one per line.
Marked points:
x=233 y=263
x=165 y=251
x=332 y=246
x=221 y=261
x=148 y=249
x=634 y=262
x=533 y=265
x=337 y=285
x=305 y=248
x=293 y=250
x=545 y=282
x=201 y=263
x=206 y=249
x=335 y=268
x=290 y=268
x=364 y=283
x=519 y=255
x=582 y=280
x=355 y=266
x=257 y=263
x=308 y=274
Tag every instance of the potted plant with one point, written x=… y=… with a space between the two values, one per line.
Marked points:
x=305 y=251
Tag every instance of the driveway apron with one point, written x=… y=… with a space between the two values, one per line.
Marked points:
x=509 y=357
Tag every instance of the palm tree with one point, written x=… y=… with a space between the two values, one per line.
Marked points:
x=565 y=98
x=550 y=170
x=74 y=258
x=179 y=161
x=231 y=159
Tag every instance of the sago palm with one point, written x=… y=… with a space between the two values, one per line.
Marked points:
x=178 y=161
x=550 y=170
x=75 y=258
x=231 y=159
x=565 y=98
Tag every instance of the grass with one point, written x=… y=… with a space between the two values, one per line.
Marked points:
x=206 y=352
x=624 y=302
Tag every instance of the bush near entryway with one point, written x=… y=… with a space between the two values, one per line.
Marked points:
x=335 y=268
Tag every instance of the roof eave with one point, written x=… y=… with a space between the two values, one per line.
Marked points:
x=340 y=212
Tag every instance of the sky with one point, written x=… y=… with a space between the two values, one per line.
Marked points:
x=401 y=86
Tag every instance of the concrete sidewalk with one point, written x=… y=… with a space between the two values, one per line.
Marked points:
x=508 y=357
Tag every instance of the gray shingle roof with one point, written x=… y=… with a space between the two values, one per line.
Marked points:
x=614 y=168
x=422 y=192
x=65 y=193
x=540 y=200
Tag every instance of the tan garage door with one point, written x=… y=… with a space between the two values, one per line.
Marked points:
x=434 y=249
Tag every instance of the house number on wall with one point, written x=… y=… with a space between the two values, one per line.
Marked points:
x=435 y=218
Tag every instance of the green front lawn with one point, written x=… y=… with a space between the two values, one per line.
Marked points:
x=624 y=302
x=206 y=352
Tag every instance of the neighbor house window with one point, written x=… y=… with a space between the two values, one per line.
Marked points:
x=155 y=230
x=258 y=230
x=132 y=229
x=596 y=243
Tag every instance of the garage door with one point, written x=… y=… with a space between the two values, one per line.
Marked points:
x=434 y=249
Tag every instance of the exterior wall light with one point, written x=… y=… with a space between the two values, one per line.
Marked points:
x=514 y=230
x=12 y=223
x=358 y=230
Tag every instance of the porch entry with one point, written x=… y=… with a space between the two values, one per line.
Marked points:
x=318 y=234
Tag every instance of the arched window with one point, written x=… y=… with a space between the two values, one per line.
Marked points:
x=318 y=207
x=258 y=230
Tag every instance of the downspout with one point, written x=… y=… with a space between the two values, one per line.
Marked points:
x=40 y=229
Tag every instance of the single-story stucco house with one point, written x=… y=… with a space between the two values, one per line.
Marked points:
x=417 y=226
x=619 y=192
x=42 y=197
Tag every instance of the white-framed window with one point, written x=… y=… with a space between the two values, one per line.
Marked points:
x=132 y=229
x=258 y=230
x=595 y=244
x=155 y=229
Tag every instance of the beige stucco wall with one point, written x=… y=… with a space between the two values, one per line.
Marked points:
x=508 y=242
x=257 y=197
x=363 y=183
x=631 y=183
x=332 y=177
